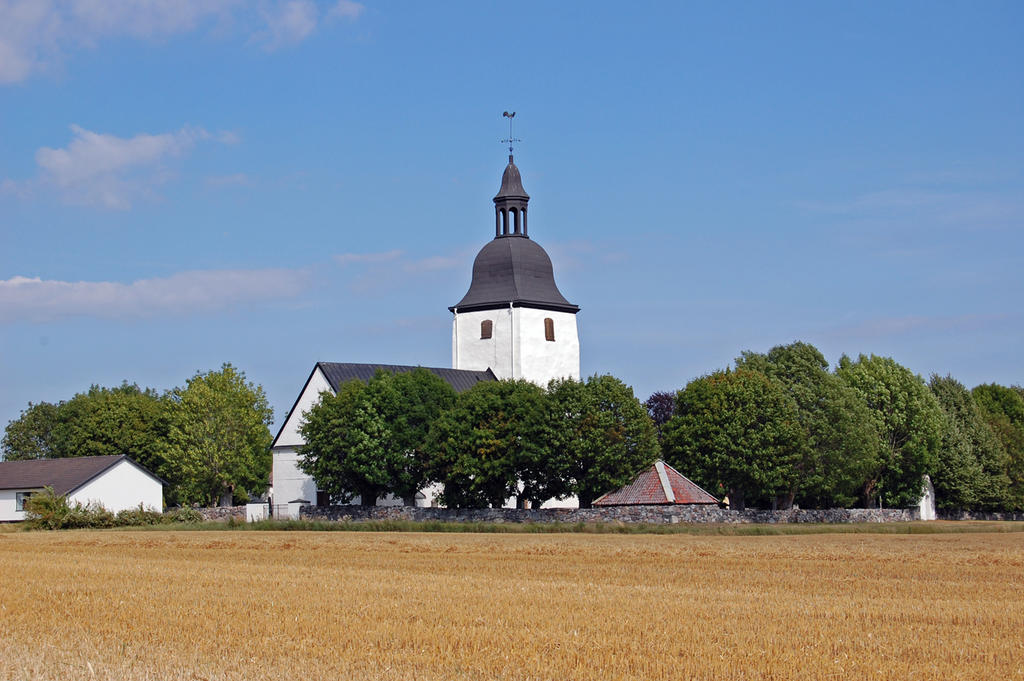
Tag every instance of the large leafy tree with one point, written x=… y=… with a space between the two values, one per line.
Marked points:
x=368 y=440
x=218 y=444
x=842 y=444
x=496 y=436
x=32 y=435
x=1003 y=410
x=409 y=402
x=909 y=422
x=603 y=435
x=737 y=431
x=125 y=420
x=971 y=470
x=113 y=421
x=346 y=441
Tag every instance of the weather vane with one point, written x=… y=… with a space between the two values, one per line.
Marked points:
x=511 y=140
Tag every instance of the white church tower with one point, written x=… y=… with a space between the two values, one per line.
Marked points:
x=513 y=320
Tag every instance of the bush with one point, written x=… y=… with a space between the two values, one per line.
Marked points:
x=50 y=511
x=134 y=517
x=47 y=510
x=183 y=515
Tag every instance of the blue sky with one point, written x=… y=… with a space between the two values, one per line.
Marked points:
x=190 y=182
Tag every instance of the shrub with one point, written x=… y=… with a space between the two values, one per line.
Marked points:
x=184 y=515
x=134 y=517
x=47 y=510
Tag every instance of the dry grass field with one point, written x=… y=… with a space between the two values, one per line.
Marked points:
x=274 y=605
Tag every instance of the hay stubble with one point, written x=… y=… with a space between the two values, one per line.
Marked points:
x=179 y=605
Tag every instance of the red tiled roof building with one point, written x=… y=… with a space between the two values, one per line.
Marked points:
x=658 y=485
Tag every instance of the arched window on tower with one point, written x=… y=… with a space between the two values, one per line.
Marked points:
x=549 y=329
x=486 y=329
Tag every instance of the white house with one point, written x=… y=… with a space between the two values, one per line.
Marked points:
x=513 y=322
x=114 y=482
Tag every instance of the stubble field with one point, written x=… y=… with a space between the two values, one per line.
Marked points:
x=273 y=605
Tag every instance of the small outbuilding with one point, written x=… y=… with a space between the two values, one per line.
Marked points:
x=114 y=482
x=658 y=485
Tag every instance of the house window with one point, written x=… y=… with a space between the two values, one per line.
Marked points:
x=549 y=329
x=486 y=329
x=19 y=500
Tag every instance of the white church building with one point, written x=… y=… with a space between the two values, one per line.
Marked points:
x=513 y=322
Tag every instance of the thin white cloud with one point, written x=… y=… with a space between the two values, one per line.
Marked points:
x=110 y=171
x=36 y=34
x=39 y=300
x=346 y=9
x=288 y=23
x=364 y=258
x=434 y=263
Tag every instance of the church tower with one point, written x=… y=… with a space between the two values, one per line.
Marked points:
x=513 y=319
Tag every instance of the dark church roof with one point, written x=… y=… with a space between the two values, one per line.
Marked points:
x=512 y=269
x=63 y=475
x=460 y=379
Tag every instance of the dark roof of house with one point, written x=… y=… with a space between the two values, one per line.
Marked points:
x=337 y=373
x=460 y=379
x=513 y=269
x=63 y=475
x=659 y=484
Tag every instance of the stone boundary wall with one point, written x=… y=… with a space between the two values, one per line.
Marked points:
x=978 y=515
x=223 y=513
x=609 y=514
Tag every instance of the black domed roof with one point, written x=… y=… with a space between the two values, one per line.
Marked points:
x=513 y=270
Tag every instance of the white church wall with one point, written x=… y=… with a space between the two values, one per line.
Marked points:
x=473 y=353
x=289 y=435
x=121 y=487
x=540 y=360
x=290 y=483
x=518 y=347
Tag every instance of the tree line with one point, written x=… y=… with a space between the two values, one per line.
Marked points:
x=781 y=428
x=776 y=429
x=398 y=433
x=209 y=440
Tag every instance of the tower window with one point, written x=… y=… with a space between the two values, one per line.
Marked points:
x=486 y=328
x=549 y=329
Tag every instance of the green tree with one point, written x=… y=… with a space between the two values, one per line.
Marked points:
x=32 y=436
x=737 y=431
x=1003 y=410
x=409 y=402
x=603 y=433
x=842 y=444
x=970 y=472
x=497 y=434
x=218 y=444
x=126 y=420
x=368 y=440
x=909 y=423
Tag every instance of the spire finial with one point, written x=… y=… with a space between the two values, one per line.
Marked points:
x=511 y=140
